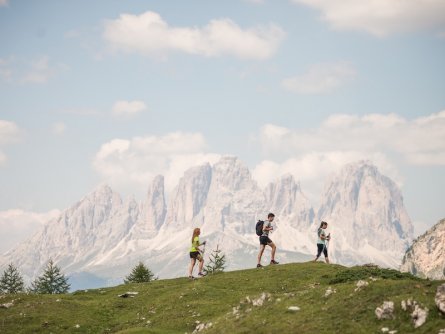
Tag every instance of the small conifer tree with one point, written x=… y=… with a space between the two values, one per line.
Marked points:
x=11 y=280
x=52 y=281
x=217 y=262
x=139 y=274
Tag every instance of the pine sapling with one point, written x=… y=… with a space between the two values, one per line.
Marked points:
x=52 y=281
x=217 y=262
x=139 y=274
x=11 y=280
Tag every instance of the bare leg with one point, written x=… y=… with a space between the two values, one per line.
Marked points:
x=192 y=264
x=274 y=249
x=327 y=259
x=201 y=264
x=260 y=254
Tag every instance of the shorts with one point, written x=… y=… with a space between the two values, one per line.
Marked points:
x=264 y=240
x=196 y=256
x=322 y=248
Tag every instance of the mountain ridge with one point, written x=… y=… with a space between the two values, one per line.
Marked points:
x=104 y=235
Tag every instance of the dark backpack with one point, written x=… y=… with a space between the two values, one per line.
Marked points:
x=259 y=227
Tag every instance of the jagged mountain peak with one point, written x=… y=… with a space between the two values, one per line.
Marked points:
x=231 y=174
x=286 y=199
x=102 y=194
x=189 y=195
x=366 y=211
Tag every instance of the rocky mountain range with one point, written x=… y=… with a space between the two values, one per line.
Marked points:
x=102 y=236
x=426 y=256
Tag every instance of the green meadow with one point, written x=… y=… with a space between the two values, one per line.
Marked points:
x=224 y=303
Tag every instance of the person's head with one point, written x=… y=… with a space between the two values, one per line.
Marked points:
x=270 y=216
x=323 y=224
x=196 y=232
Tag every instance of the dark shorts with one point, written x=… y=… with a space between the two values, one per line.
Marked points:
x=322 y=248
x=265 y=240
x=196 y=256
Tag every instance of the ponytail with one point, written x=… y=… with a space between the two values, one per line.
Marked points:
x=196 y=232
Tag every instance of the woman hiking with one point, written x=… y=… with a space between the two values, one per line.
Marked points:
x=321 y=242
x=195 y=254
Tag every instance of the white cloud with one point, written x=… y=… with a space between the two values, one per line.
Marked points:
x=17 y=225
x=420 y=141
x=134 y=163
x=59 y=128
x=320 y=79
x=381 y=17
x=128 y=108
x=37 y=71
x=40 y=71
x=9 y=133
x=310 y=155
x=149 y=34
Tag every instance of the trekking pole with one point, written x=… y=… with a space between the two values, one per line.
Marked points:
x=203 y=249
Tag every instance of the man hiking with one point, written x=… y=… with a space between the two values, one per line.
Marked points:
x=195 y=254
x=265 y=240
x=322 y=246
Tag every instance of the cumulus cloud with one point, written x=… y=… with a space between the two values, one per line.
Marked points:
x=135 y=162
x=9 y=133
x=320 y=79
x=311 y=155
x=381 y=17
x=17 y=225
x=128 y=108
x=40 y=71
x=420 y=141
x=149 y=34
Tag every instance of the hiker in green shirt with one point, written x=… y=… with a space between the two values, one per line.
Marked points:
x=195 y=254
x=322 y=246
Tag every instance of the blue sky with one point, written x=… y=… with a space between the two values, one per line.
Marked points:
x=119 y=91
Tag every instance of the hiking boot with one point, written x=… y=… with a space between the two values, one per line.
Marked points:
x=259 y=265
x=201 y=274
x=273 y=262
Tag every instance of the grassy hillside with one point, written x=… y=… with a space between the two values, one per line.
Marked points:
x=175 y=306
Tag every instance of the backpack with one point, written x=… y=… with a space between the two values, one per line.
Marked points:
x=259 y=227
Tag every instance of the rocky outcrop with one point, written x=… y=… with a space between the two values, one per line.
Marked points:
x=426 y=256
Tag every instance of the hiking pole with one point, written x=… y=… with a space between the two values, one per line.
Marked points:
x=203 y=249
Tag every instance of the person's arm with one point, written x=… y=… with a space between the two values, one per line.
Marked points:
x=323 y=236
x=267 y=228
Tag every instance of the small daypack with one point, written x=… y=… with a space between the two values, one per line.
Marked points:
x=259 y=227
